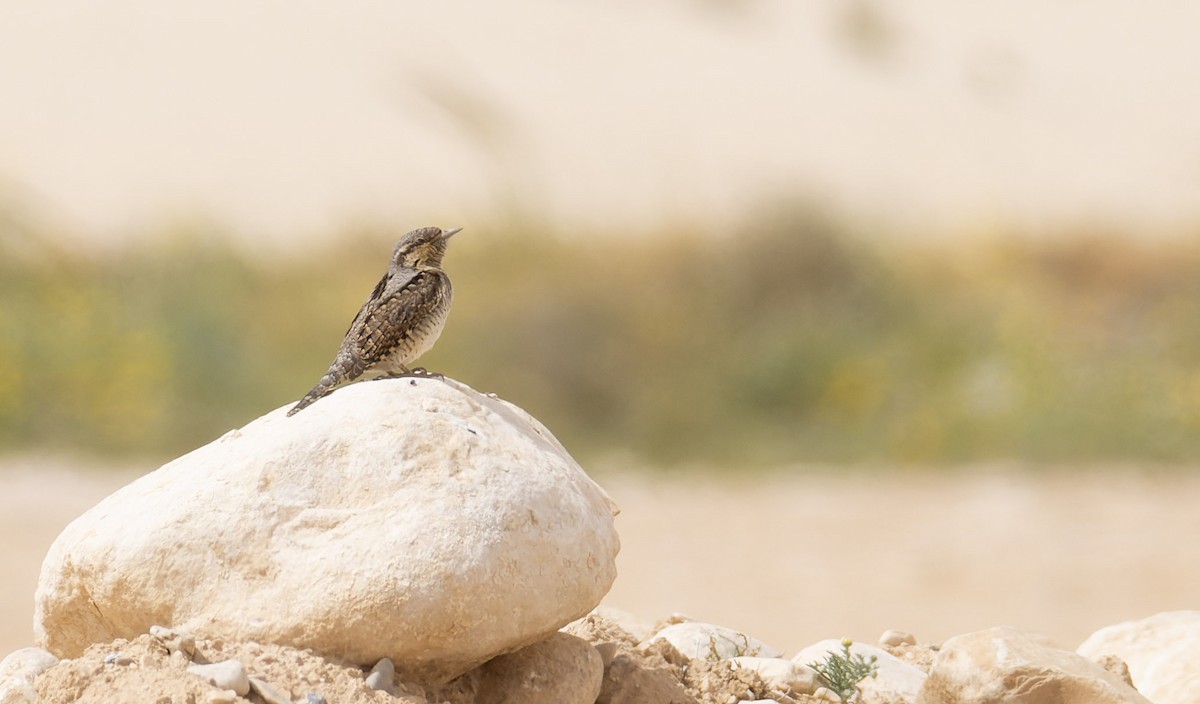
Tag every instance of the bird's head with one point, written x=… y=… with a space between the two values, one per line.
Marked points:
x=423 y=248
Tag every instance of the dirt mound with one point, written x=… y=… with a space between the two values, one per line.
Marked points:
x=145 y=670
x=142 y=671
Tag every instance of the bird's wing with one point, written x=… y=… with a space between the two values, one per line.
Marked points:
x=372 y=301
x=396 y=311
x=350 y=363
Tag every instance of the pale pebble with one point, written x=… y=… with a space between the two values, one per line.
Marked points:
x=268 y=693
x=706 y=641
x=227 y=674
x=382 y=677
x=895 y=638
x=221 y=696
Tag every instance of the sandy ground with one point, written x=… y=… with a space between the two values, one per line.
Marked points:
x=796 y=557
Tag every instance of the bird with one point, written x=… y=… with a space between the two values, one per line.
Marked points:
x=401 y=319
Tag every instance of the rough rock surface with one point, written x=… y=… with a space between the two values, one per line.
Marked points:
x=410 y=518
x=1003 y=665
x=1162 y=652
x=562 y=669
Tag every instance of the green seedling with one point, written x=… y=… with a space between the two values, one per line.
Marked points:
x=841 y=672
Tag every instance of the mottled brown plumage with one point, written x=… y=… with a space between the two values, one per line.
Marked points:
x=402 y=318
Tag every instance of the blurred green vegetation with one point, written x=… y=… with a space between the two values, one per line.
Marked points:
x=793 y=338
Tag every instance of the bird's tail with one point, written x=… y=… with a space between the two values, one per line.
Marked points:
x=323 y=388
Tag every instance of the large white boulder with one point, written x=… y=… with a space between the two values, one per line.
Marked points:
x=412 y=518
x=1006 y=666
x=1162 y=652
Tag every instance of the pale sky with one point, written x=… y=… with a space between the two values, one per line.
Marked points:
x=285 y=119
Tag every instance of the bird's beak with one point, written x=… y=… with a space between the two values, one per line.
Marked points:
x=447 y=234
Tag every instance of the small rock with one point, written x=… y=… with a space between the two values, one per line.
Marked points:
x=607 y=652
x=562 y=669
x=175 y=641
x=1006 y=666
x=707 y=641
x=316 y=698
x=827 y=694
x=18 y=671
x=782 y=675
x=227 y=674
x=268 y=693
x=221 y=696
x=627 y=680
x=383 y=677
x=1162 y=653
x=894 y=638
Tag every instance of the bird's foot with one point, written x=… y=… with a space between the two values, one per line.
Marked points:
x=406 y=373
